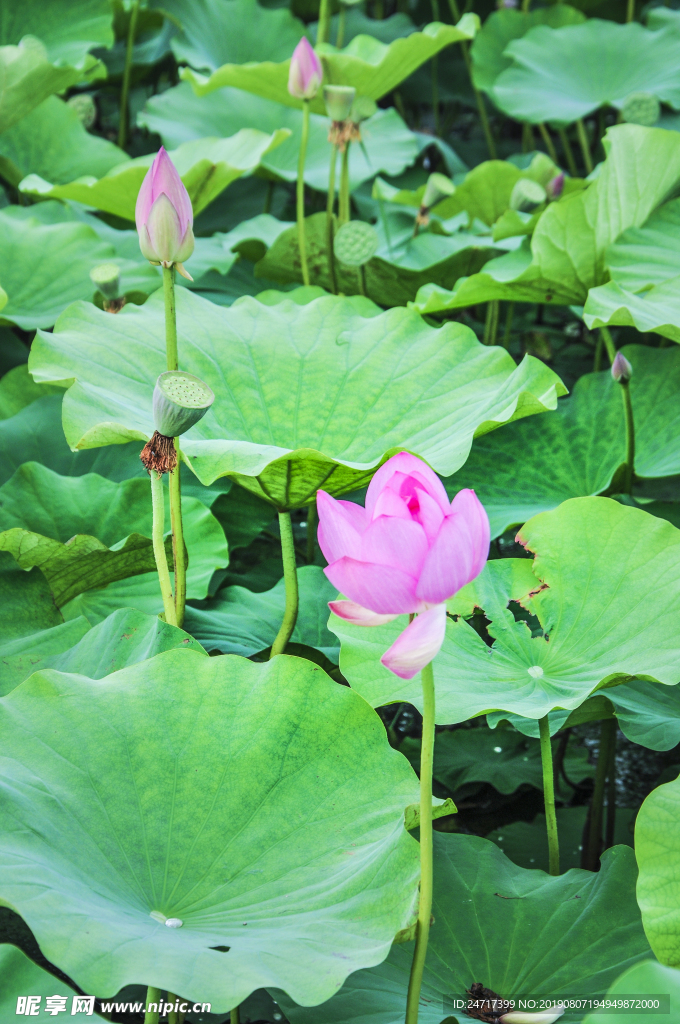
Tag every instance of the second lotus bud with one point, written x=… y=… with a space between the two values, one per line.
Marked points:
x=164 y=215
x=306 y=73
x=622 y=371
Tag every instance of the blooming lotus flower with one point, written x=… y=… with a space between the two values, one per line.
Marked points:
x=306 y=73
x=622 y=371
x=164 y=215
x=406 y=552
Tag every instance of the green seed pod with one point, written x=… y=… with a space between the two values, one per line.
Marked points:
x=438 y=187
x=355 y=243
x=527 y=195
x=339 y=100
x=85 y=108
x=641 y=108
x=362 y=109
x=106 y=277
x=179 y=401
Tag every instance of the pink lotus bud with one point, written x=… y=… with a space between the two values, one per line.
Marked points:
x=407 y=551
x=555 y=186
x=164 y=215
x=506 y=3
x=542 y=1017
x=306 y=73
x=622 y=371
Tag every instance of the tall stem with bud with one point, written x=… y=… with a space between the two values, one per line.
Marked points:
x=302 y=238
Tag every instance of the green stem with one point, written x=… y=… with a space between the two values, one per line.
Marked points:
x=549 y=145
x=549 y=797
x=171 y=356
x=340 y=38
x=157 y=536
x=630 y=12
x=330 y=203
x=271 y=185
x=491 y=324
x=597 y=361
x=481 y=106
x=343 y=199
x=610 y=826
x=302 y=239
x=170 y=318
x=362 y=280
x=153 y=995
x=323 y=31
x=605 y=334
x=630 y=436
x=173 y=1015
x=607 y=737
x=527 y=138
x=125 y=89
x=508 y=325
x=312 y=520
x=426 y=867
x=234 y=1016
x=291 y=584
x=525 y=6
x=568 y=152
x=585 y=148
x=435 y=96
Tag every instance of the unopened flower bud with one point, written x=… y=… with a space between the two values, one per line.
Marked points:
x=438 y=187
x=506 y=3
x=339 y=100
x=527 y=195
x=179 y=401
x=542 y=1017
x=622 y=371
x=555 y=187
x=306 y=73
x=106 y=277
x=85 y=108
x=641 y=108
x=164 y=215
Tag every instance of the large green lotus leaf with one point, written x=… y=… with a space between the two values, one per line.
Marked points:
x=22 y=977
x=323 y=407
x=125 y=638
x=536 y=464
x=390 y=280
x=206 y=166
x=66 y=525
x=27 y=602
x=647 y=713
x=68 y=31
x=657 y=309
x=646 y=978
x=562 y=74
x=237 y=621
x=501 y=27
x=605 y=608
x=657 y=848
x=217 y=32
x=51 y=142
x=259 y=804
x=517 y=932
x=372 y=67
x=567 y=253
x=18 y=389
x=178 y=115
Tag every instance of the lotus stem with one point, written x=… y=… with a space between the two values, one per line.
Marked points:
x=585 y=148
x=234 y=1016
x=630 y=435
x=630 y=11
x=157 y=535
x=525 y=6
x=173 y=477
x=302 y=239
x=291 y=584
x=491 y=324
x=435 y=96
x=568 y=152
x=611 y=796
x=323 y=31
x=340 y=38
x=153 y=998
x=527 y=137
x=312 y=520
x=481 y=106
x=330 y=203
x=267 y=207
x=607 y=739
x=173 y=1015
x=549 y=144
x=125 y=88
x=343 y=199
x=426 y=856
x=507 y=336
x=549 y=797
x=605 y=336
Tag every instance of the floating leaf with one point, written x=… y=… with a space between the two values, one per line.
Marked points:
x=487 y=916
x=606 y=610
x=303 y=869
x=657 y=848
x=321 y=408
x=372 y=67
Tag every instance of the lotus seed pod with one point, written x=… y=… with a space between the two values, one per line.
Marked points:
x=179 y=401
x=355 y=243
x=438 y=187
x=527 y=195
x=106 y=277
x=339 y=100
x=362 y=109
x=542 y=1017
x=622 y=371
x=641 y=108
x=85 y=108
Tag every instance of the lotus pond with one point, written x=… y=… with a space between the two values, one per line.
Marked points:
x=340 y=511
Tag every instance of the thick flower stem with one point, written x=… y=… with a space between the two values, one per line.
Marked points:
x=549 y=797
x=323 y=31
x=330 y=203
x=343 y=199
x=153 y=996
x=549 y=145
x=302 y=238
x=312 y=525
x=491 y=324
x=291 y=584
x=585 y=148
x=568 y=152
x=594 y=845
x=234 y=1016
x=426 y=868
x=630 y=436
x=173 y=1015
x=340 y=38
x=483 y=116
x=605 y=334
x=171 y=356
x=125 y=89
x=158 y=508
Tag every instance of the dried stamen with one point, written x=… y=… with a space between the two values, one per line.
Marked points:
x=159 y=454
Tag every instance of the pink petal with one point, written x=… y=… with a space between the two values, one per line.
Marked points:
x=341 y=524
x=458 y=553
x=163 y=229
x=389 y=503
x=306 y=73
x=409 y=465
x=166 y=180
x=400 y=543
x=429 y=514
x=380 y=588
x=352 y=612
x=419 y=643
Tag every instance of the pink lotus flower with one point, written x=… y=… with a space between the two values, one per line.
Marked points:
x=164 y=215
x=406 y=552
x=306 y=73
